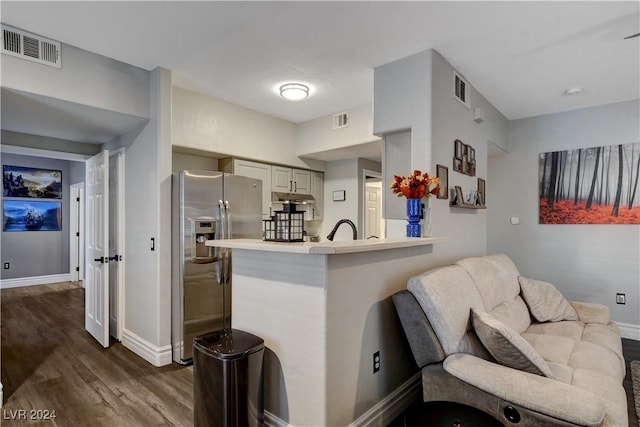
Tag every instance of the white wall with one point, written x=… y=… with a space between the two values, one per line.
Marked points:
x=451 y=120
x=340 y=175
x=181 y=161
x=344 y=175
x=209 y=124
x=47 y=143
x=147 y=317
x=402 y=113
x=85 y=78
x=586 y=262
x=318 y=135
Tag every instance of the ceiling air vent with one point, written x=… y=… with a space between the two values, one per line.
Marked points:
x=461 y=90
x=340 y=120
x=30 y=47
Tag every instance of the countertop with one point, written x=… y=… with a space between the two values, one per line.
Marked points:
x=326 y=247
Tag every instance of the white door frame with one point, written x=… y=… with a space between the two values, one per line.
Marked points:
x=76 y=225
x=118 y=156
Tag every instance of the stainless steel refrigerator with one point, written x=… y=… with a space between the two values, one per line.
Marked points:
x=207 y=205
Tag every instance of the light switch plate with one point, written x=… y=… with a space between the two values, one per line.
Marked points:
x=515 y=220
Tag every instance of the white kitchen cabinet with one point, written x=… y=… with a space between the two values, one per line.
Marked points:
x=315 y=210
x=281 y=179
x=301 y=181
x=255 y=170
x=289 y=180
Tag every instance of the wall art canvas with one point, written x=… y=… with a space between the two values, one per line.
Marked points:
x=20 y=181
x=23 y=215
x=597 y=185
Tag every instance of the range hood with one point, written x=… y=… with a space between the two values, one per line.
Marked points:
x=291 y=198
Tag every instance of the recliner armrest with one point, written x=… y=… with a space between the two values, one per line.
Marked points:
x=423 y=341
x=540 y=394
x=591 y=313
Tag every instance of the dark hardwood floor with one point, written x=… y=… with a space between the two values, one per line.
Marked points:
x=50 y=363
x=631 y=350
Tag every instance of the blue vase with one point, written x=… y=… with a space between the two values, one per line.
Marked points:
x=414 y=210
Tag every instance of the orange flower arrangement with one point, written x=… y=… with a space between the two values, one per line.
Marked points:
x=416 y=185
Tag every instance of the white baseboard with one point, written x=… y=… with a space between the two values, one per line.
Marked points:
x=157 y=356
x=393 y=405
x=35 y=280
x=380 y=414
x=628 y=330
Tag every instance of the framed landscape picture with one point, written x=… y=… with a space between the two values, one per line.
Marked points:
x=23 y=215
x=597 y=185
x=20 y=181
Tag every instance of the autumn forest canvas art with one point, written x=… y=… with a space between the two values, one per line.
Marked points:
x=597 y=185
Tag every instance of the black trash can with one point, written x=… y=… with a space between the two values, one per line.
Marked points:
x=227 y=379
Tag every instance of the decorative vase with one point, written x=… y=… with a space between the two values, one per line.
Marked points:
x=414 y=211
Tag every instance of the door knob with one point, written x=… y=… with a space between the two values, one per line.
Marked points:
x=101 y=259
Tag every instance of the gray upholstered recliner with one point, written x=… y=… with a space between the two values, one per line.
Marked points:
x=582 y=357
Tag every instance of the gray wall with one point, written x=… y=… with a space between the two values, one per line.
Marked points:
x=38 y=253
x=586 y=262
x=182 y=161
x=451 y=120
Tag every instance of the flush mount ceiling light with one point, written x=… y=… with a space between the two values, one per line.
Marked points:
x=573 y=91
x=294 y=91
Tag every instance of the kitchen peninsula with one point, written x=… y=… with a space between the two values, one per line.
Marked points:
x=323 y=310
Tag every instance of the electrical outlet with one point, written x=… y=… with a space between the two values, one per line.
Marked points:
x=376 y=362
x=6 y=265
x=621 y=298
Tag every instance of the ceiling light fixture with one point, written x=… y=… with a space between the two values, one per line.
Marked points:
x=573 y=91
x=294 y=91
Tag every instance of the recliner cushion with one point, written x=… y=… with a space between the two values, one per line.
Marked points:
x=545 y=302
x=446 y=295
x=507 y=346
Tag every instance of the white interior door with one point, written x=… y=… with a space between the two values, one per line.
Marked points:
x=116 y=242
x=97 y=248
x=372 y=211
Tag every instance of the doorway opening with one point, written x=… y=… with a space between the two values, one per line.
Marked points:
x=76 y=233
x=373 y=223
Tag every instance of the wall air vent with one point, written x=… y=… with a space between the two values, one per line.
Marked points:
x=461 y=90
x=30 y=47
x=340 y=120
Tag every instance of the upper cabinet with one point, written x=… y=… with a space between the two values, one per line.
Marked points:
x=281 y=179
x=288 y=180
x=317 y=191
x=255 y=170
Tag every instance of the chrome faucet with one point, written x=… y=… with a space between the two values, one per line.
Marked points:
x=338 y=224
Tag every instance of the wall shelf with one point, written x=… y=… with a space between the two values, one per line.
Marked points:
x=467 y=206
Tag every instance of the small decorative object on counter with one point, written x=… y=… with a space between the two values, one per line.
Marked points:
x=285 y=226
x=415 y=187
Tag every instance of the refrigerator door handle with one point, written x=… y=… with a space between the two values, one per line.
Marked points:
x=227 y=251
x=228 y=216
x=220 y=252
